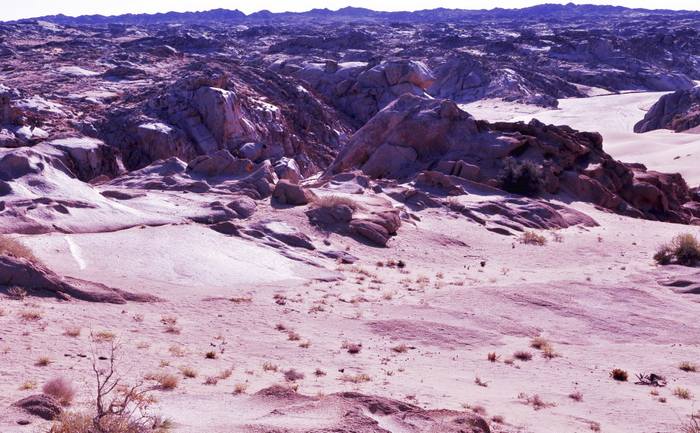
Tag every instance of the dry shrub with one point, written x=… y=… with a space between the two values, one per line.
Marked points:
x=188 y=372
x=72 y=331
x=211 y=380
x=240 y=388
x=330 y=201
x=167 y=381
x=292 y=375
x=682 y=393
x=14 y=248
x=576 y=396
x=28 y=385
x=225 y=374
x=619 y=375
x=524 y=178
x=211 y=355
x=401 y=348
x=43 y=361
x=268 y=366
x=692 y=425
x=535 y=401
x=522 y=355
x=16 y=293
x=61 y=389
x=492 y=357
x=102 y=336
x=355 y=378
x=532 y=238
x=683 y=249
x=688 y=367
x=31 y=315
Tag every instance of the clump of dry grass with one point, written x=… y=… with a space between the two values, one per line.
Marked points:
x=682 y=393
x=268 y=366
x=61 y=389
x=188 y=372
x=535 y=401
x=352 y=348
x=401 y=348
x=331 y=201
x=522 y=355
x=211 y=355
x=576 y=396
x=480 y=382
x=170 y=323
x=16 y=293
x=27 y=385
x=683 y=249
x=355 y=378
x=177 y=350
x=14 y=248
x=492 y=357
x=43 y=361
x=211 y=380
x=688 y=367
x=293 y=336
x=225 y=374
x=498 y=419
x=292 y=375
x=532 y=238
x=31 y=315
x=72 y=331
x=619 y=374
x=102 y=336
x=240 y=388
x=167 y=381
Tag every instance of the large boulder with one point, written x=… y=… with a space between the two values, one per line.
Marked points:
x=41 y=405
x=289 y=193
x=678 y=111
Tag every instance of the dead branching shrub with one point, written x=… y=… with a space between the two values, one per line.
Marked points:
x=692 y=425
x=331 y=201
x=532 y=238
x=119 y=407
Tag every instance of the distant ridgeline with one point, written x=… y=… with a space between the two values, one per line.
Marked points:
x=535 y=13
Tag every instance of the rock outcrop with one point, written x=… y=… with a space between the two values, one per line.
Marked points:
x=417 y=135
x=678 y=111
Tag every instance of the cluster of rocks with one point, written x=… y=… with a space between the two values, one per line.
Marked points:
x=213 y=118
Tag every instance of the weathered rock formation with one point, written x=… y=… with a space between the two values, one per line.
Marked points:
x=678 y=111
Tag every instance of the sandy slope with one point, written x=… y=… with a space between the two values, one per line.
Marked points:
x=594 y=295
x=614 y=116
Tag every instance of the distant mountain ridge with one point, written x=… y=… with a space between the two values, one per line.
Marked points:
x=547 y=10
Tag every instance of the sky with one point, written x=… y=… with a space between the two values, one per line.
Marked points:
x=16 y=9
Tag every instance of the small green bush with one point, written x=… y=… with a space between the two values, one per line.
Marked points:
x=683 y=249
x=520 y=177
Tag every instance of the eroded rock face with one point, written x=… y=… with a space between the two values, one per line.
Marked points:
x=678 y=111
x=415 y=134
x=361 y=89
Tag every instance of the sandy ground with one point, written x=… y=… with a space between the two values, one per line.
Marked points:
x=614 y=116
x=594 y=294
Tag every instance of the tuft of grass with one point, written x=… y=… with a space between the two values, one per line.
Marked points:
x=331 y=201
x=16 y=293
x=682 y=393
x=211 y=380
x=188 y=372
x=31 y=315
x=14 y=248
x=61 y=389
x=102 y=336
x=684 y=249
x=532 y=238
x=492 y=357
x=619 y=374
x=401 y=348
x=688 y=367
x=352 y=348
x=72 y=331
x=211 y=355
x=225 y=374
x=240 y=388
x=27 y=385
x=355 y=378
x=522 y=355
x=43 y=361
x=268 y=366
x=167 y=381
x=292 y=375
x=576 y=396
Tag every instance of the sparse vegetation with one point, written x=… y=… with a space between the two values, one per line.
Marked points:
x=401 y=348
x=31 y=315
x=268 y=366
x=692 y=425
x=619 y=375
x=16 y=293
x=535 y=401
x=102 y=336
x=292 y=375
x=492 y=357
x=684 y=249
x=211 y=355
x=61 y=389
x=480 y=382
x=240 y=388
x=167 y=381
x=27 y=385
